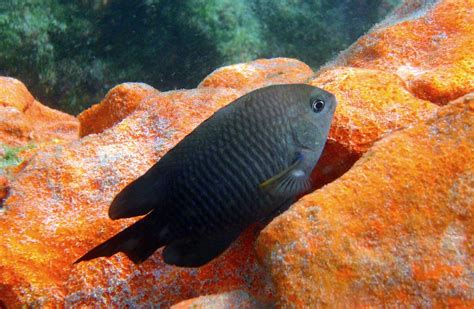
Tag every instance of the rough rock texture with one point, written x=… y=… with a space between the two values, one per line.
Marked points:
x=397 y=229
x=231 y=300
x=119 y=102
x=364 y=114
x=24 y=120
x=13 y=93
x=3 y=189
x=259 y=73
x=429 y=47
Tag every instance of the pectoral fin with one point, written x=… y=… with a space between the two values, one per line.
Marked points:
x=292 y=181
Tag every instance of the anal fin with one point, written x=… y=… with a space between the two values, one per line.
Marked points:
x=137 y=241
x=195 y=252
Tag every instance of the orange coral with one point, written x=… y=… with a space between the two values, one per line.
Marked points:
x=394 y=230
x=119 y=102
x=24 y=120
x=258 y=73
x=371 y=104
x=430 y=49
x=13 y=93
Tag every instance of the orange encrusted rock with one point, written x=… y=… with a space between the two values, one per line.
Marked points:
x=258 y=73
x=371 y=104
x=3 y=189
x=24 y=120
x=429 y=46
x=15 y=130
x=14 y=93
x=57 y=210
x=234 y=299
x=396 y=230
x=119 y=102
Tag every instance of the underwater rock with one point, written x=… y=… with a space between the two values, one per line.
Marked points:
x=396 y=230
x=234 y=299
x=259 y=73
x=371 y=105
x=3 y=189
x=119 y=102
x=24 y=120
x=14 y=93
x=429 y=46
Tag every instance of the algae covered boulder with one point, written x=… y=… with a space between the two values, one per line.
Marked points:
x=427 y=43
x=119 y=102
x=394 y=230
x=24 y=120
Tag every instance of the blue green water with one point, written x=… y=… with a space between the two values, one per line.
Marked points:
x=69 y=53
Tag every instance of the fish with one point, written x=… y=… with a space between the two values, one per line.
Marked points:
x=245 y=164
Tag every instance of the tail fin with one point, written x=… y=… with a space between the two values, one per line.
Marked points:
x=138 y=241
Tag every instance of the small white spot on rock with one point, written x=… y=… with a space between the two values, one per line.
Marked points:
x=452 y=244
x=461 y=195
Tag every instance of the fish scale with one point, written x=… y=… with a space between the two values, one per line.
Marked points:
x=242 y=211
x=244 y=139
x=246 y=163
x=225 y=194
x=201 y=192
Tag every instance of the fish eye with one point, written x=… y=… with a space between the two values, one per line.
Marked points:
x=317 y=105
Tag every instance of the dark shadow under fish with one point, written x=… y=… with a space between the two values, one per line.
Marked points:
x=247 y=163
